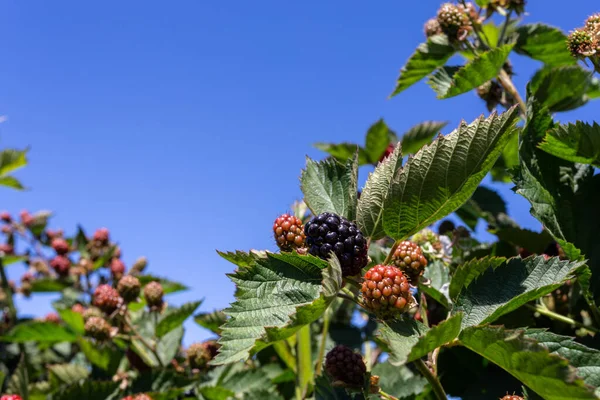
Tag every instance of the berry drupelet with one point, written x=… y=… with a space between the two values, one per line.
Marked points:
x=409 y=258
x=328 y=232
x=288 y=232
x=385 y=291
x=344 y=365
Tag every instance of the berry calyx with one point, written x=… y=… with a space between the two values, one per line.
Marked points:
x=61 y=265
x=289 y=232
x=60 y=245
x=107 y=299
x=409 y=258
x=343 y=364
x=200 y=354
x=97 y=328
x=328 y=233
x=101 y=235
x=129 y=288
x=117 y=268
x=153 y=293
x=454 y=21
x=386 y=291
x=432 y=27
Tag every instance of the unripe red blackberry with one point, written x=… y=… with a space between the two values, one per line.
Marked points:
x=60 y=245
x=386 y=291
x=344 y=365
x=53 y=318
x=107 y=299
x=26 y=218
x=409 y=258
x=454 y=21
x=200 y=354
x=288 y=232
x=328 y=233
x=582 y=43
x=5 y=216
x=432 y=27
x=78 y=308
x=6 y=248
x=511 y=397
x=97 y=328
x=10 y=397
x=388 y=151
x=52 y=234
x=117 y=268
x=141 y=396
x=102 y=235
x=129 y=288
x=61 y=265
x=153 y=293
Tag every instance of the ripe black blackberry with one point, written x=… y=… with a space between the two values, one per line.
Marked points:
x=385 y=291
x=344 y=365
x=409 y=258
x=328 y=232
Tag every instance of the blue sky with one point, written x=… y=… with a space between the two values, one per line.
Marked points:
x=183 y=126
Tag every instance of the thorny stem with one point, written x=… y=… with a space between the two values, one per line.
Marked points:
x=561 y=318
x=324 y=332
x=144 y=341
x=432 y=379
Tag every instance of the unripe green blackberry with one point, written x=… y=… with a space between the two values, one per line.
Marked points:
x=343 y=364
x=129 y=288
x=60 y=245
x=200 y=354
x=581 y=43
x=432 y=27
x=386 y=291
x=289 y=232
x=61 y=265
x=454 y=21
x=409 y=258
x=97 y=328
x=107 y=298
x=92 y=312
x=153 y=293
x=328 y=233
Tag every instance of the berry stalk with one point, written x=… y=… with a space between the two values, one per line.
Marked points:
x=433 y=380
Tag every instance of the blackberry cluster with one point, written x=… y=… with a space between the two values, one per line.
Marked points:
x=342 y=364
x=129 y=288
x=78 y=308
x=107 y=299
x=328 y=232
x=454 y=21
x=582 y=43
x=153 y=293
x=97 y=328
x=91 y=312
x=517 y=6
x=409 y=258
x=289 y=232
x=385 y=291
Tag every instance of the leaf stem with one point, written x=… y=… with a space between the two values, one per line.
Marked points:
x=324 y=332
x=561 y=318
x=304 y=361
x=432 y=379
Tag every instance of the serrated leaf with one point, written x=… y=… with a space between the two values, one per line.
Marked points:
x=168 y=345
x=67 y=373
x=378 y=138
x=560 y=88
x=275 y=297
x=247 y=381
x=441 y=80
x=41 y=332
x=11 y=182
x=344 y=151
x=88 y=390
x=409 y=340
x=104 y=356
x=438 y=275
x=211 y=321
x=544 y=43
x=400 y=381
x=579 y=142
x=11 y=160
x=501 y=290
x=175 y=318
x=474 y=74
x=216 y=393
x=329 y=186
x=370 y=205
x=73 y=320
x=428 y=57
x=168 y=286
x=547 y=374
x=467 y=272
x=420 y=135
x=585 y=359
x=443 y=175
x=46 y=285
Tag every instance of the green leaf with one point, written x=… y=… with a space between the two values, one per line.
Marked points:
x=379 y=137
x=168 y=345
x=443 y=175
x=168 y=286
x=275 y=297
x=474 y=74
x=370 y=205
x=535 y=242
x=344 y=151
x=544 y=43
x=19 y=381
x=11 y=182
x=579 y=142
x=329 y=186
x=585 y=359
x=438 y=275
x=41 y=332
x=561 y=88
x=547 y=374
x=12 y=259
x=420 y=135
x=485 y=203
x=428 y=57
x=104 y=357
x=501 y=290
x=240 y=258
x=211 y=321
x=216 y=393
x=45 y=285
x=400 y=381
x=247 y=381
x=11 y=160
x=67 y=374
x=73 y=320
x=409 y=340
x=88 y=390
x=175 y=318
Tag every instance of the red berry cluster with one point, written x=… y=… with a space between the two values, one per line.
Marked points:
x=344 y=365
x=409 y=258
x=385 y=291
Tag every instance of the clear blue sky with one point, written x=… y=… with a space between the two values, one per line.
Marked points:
x=182 y=126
